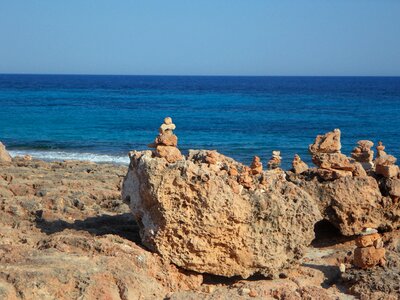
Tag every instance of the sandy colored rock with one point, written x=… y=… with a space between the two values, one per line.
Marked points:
x=363 y=154
x=167 y=139
x=336 y=161
x=177 y=207
x=350 y=203
x=385 y=160
x=275 y=160
x=298 y=166
x=256 y=166
x=369 y=257
x=165 y=127
x=327 y=143
x=359 y=170
x=168 y=121
x=387 y=171
x=211 y=157
x=5 y=157
x=170 y=153
x=380 y=148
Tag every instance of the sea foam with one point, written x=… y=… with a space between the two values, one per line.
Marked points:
x=61 y=155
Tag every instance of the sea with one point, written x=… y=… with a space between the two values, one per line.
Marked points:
x=102 y=118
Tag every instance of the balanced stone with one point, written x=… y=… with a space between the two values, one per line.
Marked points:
x=369 y=252
x=256 y=166
x=298 y=166
x=166 y=142
x=363 y=154
x=380 y=149
x=275 y=161
x=385 y=164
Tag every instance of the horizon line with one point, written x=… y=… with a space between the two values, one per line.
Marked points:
x=180 y=75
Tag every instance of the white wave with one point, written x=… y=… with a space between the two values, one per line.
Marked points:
x=61 y=155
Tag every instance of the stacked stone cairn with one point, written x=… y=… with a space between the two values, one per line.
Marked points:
x=275 y=161
x=332 y=164
x=385 y=164
x=245 y=179
x=256 y=166
x=166 y=142
x=298 y=166
x=369 y=252
x=363 y=154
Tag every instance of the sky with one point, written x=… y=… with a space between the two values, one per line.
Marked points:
x=207 y=37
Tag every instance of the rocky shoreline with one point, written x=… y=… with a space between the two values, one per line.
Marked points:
x=66 y=232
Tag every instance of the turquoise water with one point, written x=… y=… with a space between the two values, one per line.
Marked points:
x=101 y=118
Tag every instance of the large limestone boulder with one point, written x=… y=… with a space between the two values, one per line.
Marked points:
x=5 y=157
x=196 y=214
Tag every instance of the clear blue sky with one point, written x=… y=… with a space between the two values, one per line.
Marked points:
x=204 y=37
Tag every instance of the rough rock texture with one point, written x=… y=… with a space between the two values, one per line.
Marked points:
x=378 y=282
x=350 y=203
x=66 y=234
x=4 y=155
x=327 y=143
x=201 y=218
x=298 y=166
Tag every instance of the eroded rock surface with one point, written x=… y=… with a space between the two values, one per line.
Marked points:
x=5 y=157
x=66 y=234
x=198 y=216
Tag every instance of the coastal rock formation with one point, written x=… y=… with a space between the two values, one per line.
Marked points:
x=363 y=154
x=66 y=234
x=369 y=252
x=5 y=157
x=166 y=142
x=350 y=203
x=347 y=197
x=217 y=216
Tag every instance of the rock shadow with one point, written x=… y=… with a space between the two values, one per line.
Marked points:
x=122 y=225
x=326 y=235
x=332 y=274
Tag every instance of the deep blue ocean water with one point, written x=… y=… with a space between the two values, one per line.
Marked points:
x=103 y=117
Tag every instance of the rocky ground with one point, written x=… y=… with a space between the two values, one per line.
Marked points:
x=66 y=234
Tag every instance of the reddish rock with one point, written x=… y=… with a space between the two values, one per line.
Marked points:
x=167 y=139
x=211 y=158
x=332 y=174
x=166 y=142
x=298 y=166
x=336 y=161
x=327 y=143
x=387 y=171
x=256 y=166
x=170 y=153
x=369 y=257
x=367 y=240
